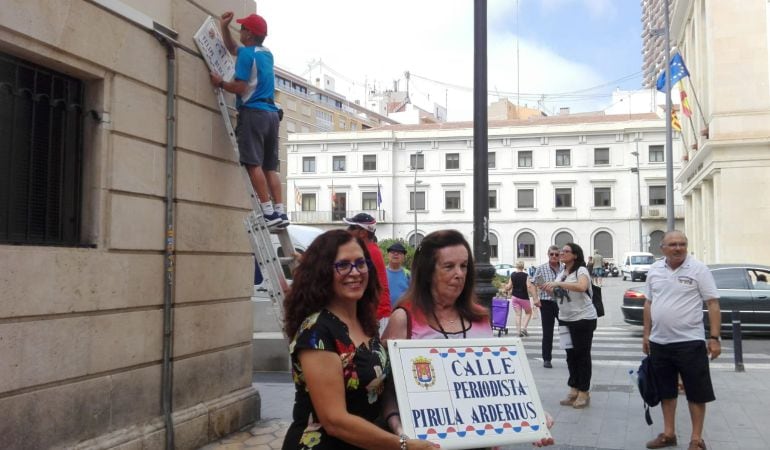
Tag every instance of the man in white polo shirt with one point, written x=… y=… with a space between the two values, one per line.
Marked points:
x=677 y=287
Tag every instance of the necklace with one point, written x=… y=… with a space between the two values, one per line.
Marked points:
x=441 y=328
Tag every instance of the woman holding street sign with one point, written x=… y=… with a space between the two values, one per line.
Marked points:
x=576 y=312
x=339 y=365
x=440 y=302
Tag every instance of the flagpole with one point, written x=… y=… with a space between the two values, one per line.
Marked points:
x=697 y=103
x=669 y=140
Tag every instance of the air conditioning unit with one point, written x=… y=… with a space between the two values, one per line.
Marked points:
x=654 y=212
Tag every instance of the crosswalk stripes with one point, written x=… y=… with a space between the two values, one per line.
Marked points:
x=620 y=346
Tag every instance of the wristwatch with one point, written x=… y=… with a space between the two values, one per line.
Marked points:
x=716 y=338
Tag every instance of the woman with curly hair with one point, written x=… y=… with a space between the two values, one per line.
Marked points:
x=576 y=312
x=338 y=362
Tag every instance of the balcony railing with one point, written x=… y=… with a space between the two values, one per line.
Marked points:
x=660 y=212
x=330 y=217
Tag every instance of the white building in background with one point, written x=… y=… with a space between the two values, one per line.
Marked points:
x=551 y=179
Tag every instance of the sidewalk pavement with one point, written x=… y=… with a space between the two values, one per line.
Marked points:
x=614 y=419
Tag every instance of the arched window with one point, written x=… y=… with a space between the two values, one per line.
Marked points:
x=562 y=238
x=492 y=246
x=525 y=245
x=603 y=243
x=419 y=239
x=656 y=237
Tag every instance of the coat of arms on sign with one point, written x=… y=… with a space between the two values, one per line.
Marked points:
x=424 y=374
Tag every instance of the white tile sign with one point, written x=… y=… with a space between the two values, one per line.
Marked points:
x=467 y=393
x=212 y=47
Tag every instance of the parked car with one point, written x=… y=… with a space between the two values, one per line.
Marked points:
x=741 y=287
x=635 y=265
x=504 y=270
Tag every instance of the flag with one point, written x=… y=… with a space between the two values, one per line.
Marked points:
x=675 y=124
x=299 y=198
x=379 y=194
x=678 y=71
x=683 y=99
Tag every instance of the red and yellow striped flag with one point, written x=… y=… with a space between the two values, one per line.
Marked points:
x=675 y=124
x=683 y=99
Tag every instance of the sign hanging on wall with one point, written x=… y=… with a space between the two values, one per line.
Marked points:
x=467 y=393
x=212 y=47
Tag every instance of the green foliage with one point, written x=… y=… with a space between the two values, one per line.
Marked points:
x=385 y=243
x=499 y=281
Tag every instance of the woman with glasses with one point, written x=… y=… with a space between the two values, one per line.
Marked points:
x=576 y=311
x=339 y=365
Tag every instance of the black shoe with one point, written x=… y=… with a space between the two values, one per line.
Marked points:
x=547 y=365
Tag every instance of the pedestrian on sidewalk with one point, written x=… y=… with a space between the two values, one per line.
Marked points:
x=398 y=276
x=339 y=365
x=549 y=310
x=598 y=266
x=577 y=313
x=677 y=286
x=258 y=116
x=519 y=287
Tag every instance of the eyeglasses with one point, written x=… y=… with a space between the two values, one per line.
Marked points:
x=553 y=254
x=676 y=244
x=344 y=268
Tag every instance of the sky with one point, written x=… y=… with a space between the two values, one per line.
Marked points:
x=574 y=52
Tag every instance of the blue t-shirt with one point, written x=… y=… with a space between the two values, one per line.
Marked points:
x=254 y=65
x=398 y=283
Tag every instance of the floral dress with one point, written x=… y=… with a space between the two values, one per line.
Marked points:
x=364 y=370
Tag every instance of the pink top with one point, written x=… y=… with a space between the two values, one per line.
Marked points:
x=422 y=330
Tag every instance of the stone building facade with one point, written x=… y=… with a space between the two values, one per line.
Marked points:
x=84 y=234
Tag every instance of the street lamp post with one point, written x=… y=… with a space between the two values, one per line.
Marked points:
x=638 y=195
x=414 y=194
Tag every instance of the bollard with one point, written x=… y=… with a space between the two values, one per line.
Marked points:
x=737 y=342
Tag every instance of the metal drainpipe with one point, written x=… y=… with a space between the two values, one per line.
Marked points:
x=167 y=373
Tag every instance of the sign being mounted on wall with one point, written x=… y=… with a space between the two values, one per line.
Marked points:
x=212 y=47
x=467 y=393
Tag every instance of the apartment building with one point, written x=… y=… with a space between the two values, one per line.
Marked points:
x=726 y=48
x=551 y=180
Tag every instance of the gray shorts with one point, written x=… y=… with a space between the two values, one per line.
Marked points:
x=257 y=135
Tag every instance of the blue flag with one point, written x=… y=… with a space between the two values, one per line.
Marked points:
x=379 y=195
x=678 y=71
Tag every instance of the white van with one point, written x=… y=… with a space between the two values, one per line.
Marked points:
x=635 y=265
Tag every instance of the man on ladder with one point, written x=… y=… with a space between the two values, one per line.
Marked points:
x=258 y=116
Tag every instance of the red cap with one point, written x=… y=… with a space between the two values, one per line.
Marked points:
x=254 y=23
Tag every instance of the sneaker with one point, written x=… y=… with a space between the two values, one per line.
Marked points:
x=273 y=220
x=524 y=332
x=662 y=441
x=284 y=221
x=547 y=364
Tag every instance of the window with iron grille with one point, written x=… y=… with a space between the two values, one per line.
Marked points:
x=525 y=243
x=41 y=151
x=370 y=162
x=453 y=161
